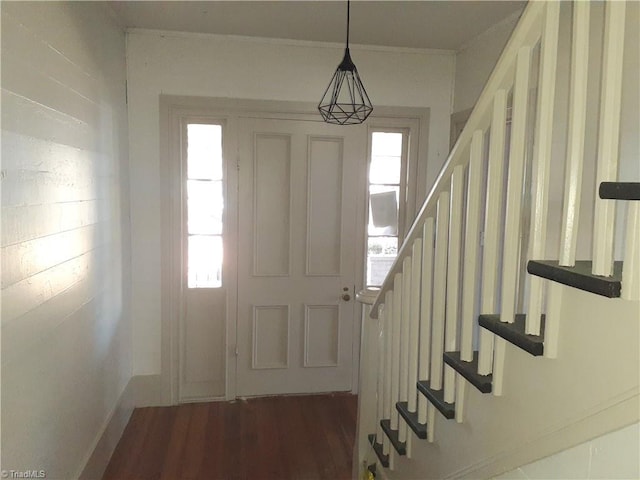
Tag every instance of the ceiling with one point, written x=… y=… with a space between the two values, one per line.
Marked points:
x=417 y=24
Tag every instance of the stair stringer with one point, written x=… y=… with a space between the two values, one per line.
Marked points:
x=548 y=405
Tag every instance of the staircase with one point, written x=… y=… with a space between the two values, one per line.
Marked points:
x=480 y=366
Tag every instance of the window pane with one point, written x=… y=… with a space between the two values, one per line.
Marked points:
x=384 y=169
x=205 y=204
x=381 y=253
x=205 y=261
x=386 y=144
x=383 y=210
x=204 y=151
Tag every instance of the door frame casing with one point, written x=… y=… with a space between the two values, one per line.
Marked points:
x=227 y=110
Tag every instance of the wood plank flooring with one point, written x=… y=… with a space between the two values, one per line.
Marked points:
x=272 y=438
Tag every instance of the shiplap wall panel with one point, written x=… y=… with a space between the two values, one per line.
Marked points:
x=45 y=219
x=66 y=328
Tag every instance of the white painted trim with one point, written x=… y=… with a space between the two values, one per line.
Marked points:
x=309 y=199
x=404 y=345
x=414 y=325
x=140 y=391
x=105 y=442
x=389 y=311
x=471 y=247
x=542 y=160
x=517 y=151
x=395 y=349
x=631 y=266
x=492 y=224
x=576 y=135
x=289 y=42
x=608 y=135
x=439 y=291
x=254 y=336
x=307 y=309
x=254 y=217
x=426 y=305
x=452 y=298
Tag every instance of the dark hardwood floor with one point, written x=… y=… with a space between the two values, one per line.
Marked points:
x=271 y=438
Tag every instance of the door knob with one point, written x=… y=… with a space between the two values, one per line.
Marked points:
x=346 y=297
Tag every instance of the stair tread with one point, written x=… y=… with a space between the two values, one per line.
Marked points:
x=420 y=429
x=469 y=370
x=579 y=276
x=436 y=397
x=620 y=190
x=377 y=447
x=515 y=332
x=400 y=447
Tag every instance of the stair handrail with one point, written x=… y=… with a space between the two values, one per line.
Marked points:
x=525 y=32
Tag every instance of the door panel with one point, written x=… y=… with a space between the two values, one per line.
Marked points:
x=297 y=240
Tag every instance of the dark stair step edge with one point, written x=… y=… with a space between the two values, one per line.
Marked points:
x=469 y=370
x=420 y=429
x=579 y=276
x=515 y=332
x=436 y=397
x=377 y=447
x=400 y=447
x=620 y=190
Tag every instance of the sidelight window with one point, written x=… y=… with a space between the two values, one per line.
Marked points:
x=386 y=195
x=204 y=205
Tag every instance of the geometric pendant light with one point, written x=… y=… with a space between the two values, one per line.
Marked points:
x=345 y=101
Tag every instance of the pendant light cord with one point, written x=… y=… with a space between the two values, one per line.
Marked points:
x=348 y=11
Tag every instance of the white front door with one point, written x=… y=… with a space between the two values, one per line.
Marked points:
x=300 y=186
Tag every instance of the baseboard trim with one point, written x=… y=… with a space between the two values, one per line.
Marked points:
x=141 y=391
x=108 y=436
x=619 y=413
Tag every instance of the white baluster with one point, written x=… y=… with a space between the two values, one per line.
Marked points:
x=404 y=341
x=395 y=354
x=542 y=159
x=608 y=138
x=382 y=320
x=388 y=362
x=510 y=259
x=439 y=291
x=414 y=325
x=425 y=311
x=431 y=422
x=575 y=141
x=552 y=321
x=472 y=242
x=631 y=265
x=492 y=226
x=453 y=278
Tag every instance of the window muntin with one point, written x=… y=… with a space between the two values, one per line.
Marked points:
x=205 y=205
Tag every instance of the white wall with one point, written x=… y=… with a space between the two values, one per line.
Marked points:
x=475 y=62
x=66 y=329
x=610 y=456
x=234 y=67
